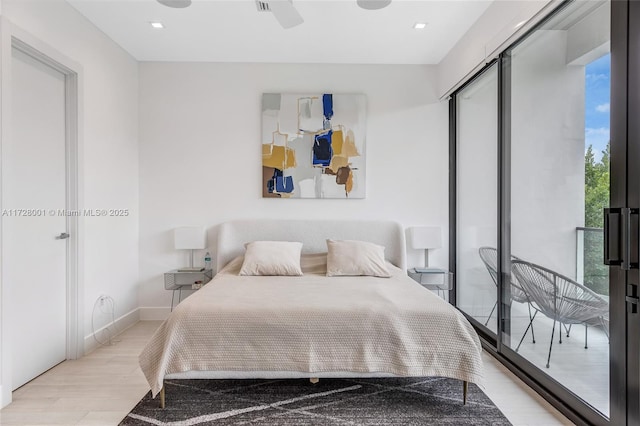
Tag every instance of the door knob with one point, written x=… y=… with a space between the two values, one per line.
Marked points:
x=62 y=236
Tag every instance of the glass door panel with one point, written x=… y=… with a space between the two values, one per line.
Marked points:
x=477 y=203
x=559 y=144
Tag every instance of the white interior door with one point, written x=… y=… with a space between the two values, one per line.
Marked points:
x=34 y=193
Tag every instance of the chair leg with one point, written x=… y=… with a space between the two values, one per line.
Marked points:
x=525 y=332
x=533 y=335
x=559 y=329
x=568 y=329
x=551 y=342
x=586 y=327
x=491 y=313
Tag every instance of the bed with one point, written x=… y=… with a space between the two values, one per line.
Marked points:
x=311 y=326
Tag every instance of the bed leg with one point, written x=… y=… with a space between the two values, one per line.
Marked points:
x=465 y=388
x=314 y=380
x=162 y=400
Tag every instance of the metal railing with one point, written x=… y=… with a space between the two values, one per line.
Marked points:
x=590 y=269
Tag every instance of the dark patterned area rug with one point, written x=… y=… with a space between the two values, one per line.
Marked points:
x=391 y=401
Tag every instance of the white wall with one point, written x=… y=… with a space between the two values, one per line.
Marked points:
x=200 y=157
x=590 y=38
x=109 y=151
x=547 y=152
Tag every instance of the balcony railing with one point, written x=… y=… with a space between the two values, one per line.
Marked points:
x=590 y=269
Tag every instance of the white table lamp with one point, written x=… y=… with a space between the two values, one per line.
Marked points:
x=190 y=238
x=425 y=237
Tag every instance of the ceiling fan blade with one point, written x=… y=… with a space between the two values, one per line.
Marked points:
x=285 y=13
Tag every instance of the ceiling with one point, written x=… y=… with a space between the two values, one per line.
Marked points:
x=333 y=31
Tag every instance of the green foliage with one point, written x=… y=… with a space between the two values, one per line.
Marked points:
x=596 y=187
x=596 y=198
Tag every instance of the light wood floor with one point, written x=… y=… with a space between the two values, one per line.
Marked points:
x=101 y=388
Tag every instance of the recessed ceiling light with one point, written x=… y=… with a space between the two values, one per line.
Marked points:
x=419 y=26
x=157 y=24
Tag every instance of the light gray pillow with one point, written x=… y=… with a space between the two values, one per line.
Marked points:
x=272 y=258
x=349 y=257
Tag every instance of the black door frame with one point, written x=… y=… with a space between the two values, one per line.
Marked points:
x=625 y=193
x=619 y=398
x=624 y=389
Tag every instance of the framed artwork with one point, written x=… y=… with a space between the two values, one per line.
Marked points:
x=313 y=145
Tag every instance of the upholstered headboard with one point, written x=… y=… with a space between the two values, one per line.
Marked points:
x=313 y=234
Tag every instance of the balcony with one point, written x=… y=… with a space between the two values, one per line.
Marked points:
x=584 y=371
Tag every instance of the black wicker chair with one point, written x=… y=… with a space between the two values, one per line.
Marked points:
x=560 y=298
x=489 y=256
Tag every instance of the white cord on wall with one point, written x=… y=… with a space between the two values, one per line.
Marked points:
x=106 y=305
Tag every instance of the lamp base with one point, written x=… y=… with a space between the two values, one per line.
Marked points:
x=191 y=269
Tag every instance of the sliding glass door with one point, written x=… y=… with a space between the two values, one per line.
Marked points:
x=477 y=180
x=559 y=186
x=536 y=167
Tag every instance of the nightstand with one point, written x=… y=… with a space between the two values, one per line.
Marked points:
x=176 y=280
x=432 y=278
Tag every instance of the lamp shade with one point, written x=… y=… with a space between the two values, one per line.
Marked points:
x=190 y=237
x=425 y=237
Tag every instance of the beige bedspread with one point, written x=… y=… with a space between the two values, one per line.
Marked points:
x=314 y=324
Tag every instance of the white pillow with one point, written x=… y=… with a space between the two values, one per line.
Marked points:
x=272 y=258
x=348 y=257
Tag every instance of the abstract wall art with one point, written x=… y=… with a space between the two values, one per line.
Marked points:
x=313 y=145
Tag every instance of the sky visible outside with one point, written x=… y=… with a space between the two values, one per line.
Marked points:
x=597 y=97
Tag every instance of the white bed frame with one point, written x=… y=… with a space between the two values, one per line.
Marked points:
x=313 y=234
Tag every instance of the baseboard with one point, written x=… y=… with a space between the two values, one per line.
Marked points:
x=154 y=313
x=4 y=399
x=119 y=325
